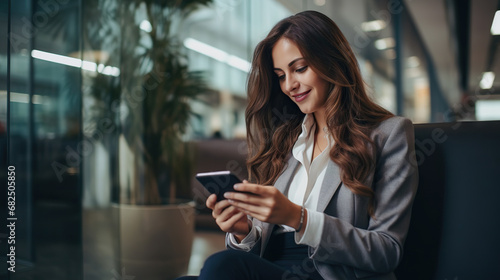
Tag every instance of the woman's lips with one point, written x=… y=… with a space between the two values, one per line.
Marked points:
x=301 y=96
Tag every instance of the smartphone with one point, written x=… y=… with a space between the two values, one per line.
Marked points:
x=218 y=182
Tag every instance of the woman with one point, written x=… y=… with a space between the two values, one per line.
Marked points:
x=331 y=180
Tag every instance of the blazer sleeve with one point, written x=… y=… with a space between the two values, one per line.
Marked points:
x=378 y=247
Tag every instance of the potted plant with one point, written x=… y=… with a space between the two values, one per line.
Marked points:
x=156 y=226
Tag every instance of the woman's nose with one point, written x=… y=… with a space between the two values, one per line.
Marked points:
x=291 y=84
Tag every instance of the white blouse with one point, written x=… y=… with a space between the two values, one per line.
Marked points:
x=304 y=189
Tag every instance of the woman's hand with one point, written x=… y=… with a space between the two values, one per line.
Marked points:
x=265 y=203
x=228 y=217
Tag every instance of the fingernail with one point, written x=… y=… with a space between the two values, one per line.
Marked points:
x=230 y=200
x=237 y=186
x=226 y=195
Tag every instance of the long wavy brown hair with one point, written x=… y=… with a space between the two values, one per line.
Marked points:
x=274 y=121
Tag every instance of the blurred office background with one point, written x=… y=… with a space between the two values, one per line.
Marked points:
x=61 y=64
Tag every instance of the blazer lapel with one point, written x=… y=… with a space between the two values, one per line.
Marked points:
x=284 y=180
x=331 y=183
x=282 y=185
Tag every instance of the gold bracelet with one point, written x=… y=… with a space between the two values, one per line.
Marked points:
x=301 y=219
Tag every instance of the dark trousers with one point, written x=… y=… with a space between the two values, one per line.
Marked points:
x=283 y=260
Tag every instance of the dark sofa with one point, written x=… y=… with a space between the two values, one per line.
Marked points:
x=455 y=229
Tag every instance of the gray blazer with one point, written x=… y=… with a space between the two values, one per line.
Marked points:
x=353 y=244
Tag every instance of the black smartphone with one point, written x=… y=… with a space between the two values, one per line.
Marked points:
x=218 y=182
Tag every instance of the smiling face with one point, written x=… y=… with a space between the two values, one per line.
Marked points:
x=297 y=79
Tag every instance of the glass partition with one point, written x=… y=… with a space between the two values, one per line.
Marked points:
x=40 y=107
x=4 y=27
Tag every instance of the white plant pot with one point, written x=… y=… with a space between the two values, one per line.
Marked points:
x=155 y=241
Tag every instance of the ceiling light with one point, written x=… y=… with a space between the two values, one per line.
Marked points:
x=374 y=25
x=386 y=43
x=487 y=80
x=217 y=54
x=89 y=66
x=205 y=49
x=56 y=58
x=75 y=62
x=320 y=2
x=495 y=26
x=412 y=61
x=239 y=63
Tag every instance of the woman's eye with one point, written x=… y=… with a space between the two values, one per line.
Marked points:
x=301 y=69
x=281 y=77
